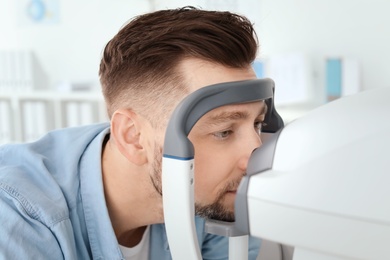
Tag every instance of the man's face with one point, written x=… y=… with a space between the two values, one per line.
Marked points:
x=223 y=140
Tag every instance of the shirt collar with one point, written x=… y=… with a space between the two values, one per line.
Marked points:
x=101 y=235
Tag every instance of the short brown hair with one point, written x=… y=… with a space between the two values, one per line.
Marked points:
x=139 y=65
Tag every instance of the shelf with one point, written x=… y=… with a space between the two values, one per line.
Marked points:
x=20 y=110
x=26 y=116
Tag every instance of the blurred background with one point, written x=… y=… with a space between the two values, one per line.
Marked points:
x=316 y=51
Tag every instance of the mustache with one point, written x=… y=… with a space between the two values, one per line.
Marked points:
x=230 y=186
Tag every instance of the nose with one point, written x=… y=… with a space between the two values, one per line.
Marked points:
x=249 y=144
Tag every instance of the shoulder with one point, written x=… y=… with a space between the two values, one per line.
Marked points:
x=36 y=225
x=35 y=199
x=40 y=194
x=36 y=177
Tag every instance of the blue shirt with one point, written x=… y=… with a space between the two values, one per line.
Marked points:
x=52 y=203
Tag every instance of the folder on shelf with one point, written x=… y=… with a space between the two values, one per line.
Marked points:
x=42 y=119
x=342 y=77
x=6 y=77
x=72 y=114
x=80 y=113
x=2 y=71
x=36 y=120
x=21 y=70
x=333 y=78
x=87 y=113
x=292 y=74
x=28 y=121
x=350 y=80
x=6 y=122
x=258 y=67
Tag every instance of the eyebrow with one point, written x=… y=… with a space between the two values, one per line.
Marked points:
x=226 y=116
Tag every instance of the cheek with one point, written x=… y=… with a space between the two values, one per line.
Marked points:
x=212 y=170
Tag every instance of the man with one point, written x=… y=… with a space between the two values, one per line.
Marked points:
x=95 y=191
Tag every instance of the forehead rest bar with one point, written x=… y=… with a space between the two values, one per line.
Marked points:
x=198 y=103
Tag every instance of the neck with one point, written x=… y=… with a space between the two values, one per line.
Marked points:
x=132 y=237
x=132 y=201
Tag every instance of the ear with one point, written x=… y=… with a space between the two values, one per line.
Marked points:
x=126 y=130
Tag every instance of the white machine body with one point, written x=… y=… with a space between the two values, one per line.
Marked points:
x=178 y=166
x=180 y=212
x=328 y=191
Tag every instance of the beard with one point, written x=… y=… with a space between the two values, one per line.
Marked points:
x=215 y=210
x=156 y=170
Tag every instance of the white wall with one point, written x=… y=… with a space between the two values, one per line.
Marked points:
x=71 y=49
x=344 y=28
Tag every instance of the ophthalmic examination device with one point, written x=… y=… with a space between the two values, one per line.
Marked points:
x=319 y=184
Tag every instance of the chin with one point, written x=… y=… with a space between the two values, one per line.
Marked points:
x=215 y=211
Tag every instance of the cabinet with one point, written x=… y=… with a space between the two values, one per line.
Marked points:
x=26 y=116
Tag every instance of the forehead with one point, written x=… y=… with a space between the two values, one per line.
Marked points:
x=233 y=112
x=198 y=73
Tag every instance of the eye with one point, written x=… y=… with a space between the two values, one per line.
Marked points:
x=223 y=134
x=259 y=126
